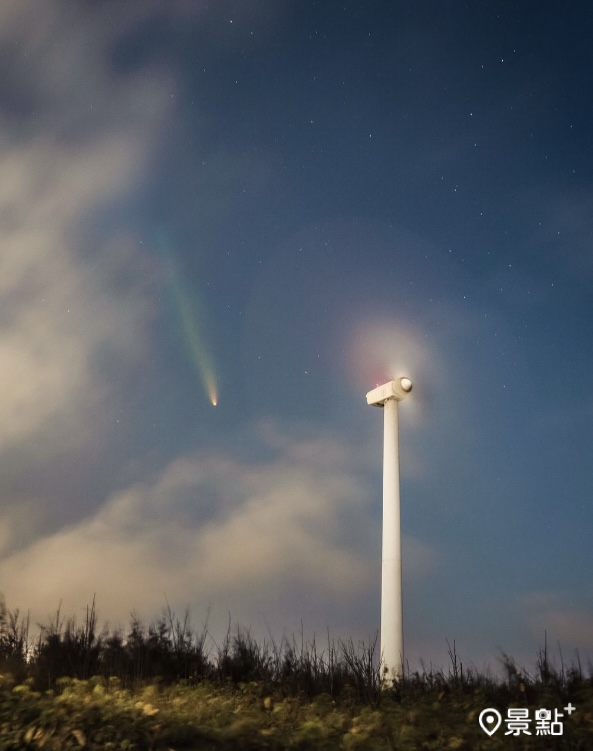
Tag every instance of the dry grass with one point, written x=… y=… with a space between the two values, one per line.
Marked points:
x=156 y=687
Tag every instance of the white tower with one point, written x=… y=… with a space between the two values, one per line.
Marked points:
x=392 y=628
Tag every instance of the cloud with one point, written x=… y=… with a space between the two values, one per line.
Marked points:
x=289 y=538
x=82 y=143
x=77 y=292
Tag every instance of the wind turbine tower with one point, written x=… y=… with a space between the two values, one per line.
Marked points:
x=388 y=396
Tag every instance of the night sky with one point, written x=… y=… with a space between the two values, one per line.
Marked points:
x=274 y=206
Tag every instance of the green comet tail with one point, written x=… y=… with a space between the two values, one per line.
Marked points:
x=195 y=341
x=191 y=317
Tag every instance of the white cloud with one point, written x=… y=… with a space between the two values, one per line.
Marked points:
x=84 y=144
x=260 y=540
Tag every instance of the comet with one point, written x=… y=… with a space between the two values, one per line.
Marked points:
x=202 y=360
x=192 y=318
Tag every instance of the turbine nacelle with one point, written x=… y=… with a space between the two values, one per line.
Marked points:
x=397 y=389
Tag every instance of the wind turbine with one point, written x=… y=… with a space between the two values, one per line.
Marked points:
x=388 y=396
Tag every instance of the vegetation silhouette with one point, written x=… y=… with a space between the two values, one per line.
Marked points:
x=75 y=686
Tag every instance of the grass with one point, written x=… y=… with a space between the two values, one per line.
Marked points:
x=157 y=688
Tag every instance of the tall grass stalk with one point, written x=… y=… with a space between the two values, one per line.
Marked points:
x=168 y=651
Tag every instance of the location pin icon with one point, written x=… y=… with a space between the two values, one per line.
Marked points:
x=490 y=720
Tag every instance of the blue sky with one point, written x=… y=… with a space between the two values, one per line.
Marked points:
x=277 y=206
